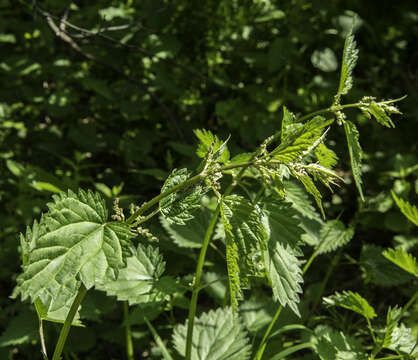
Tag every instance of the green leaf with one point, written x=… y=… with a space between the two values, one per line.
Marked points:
x=190 y=235
x=287 y=121
x=179 y=206
x=74 y=242
x=403 y=259
x=22 y=329
x=380 y=270
x=351 y=301
x=244 y=239
x=282 y=265
x=137 y=280
x=356 y=153
x=410 y=211
x=257 y=312
x=330 y=344
x=310 y=187
x=392 y=318
x=326 y=157
x=404 y=341
x=333 y=235
x=323 y=174
x=300 y=201
x=206 y=140
x=301 y=141
x=217 y=335
x=350 y=55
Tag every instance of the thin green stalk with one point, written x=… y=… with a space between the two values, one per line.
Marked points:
x=292 y=350
x=128 y=335
x=369 y=325
x=158 y=340
x=196 y=285
x=309 y=262
x=68 y=321
x=391 y=357
x=410 y=302
x=263 y=343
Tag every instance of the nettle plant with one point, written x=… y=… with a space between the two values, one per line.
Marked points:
x=259 y=219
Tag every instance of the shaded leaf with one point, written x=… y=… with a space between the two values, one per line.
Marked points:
x=333 y=235
x=410 y=211
x=351 y=301
x=217 y=335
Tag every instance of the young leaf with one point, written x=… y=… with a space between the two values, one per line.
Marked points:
x=392 y=318
x=217 y=335
x=244 y=238
x=75 y=242
x=330 y=344
x=326 y=157
x=179 y=206
x=356 y=153
x=380 y=270
x=299 y=142
x=282 y=266
x=350 y=55
x=287 y=121
x=404 y=341
x=190 y=235
x=403 y=259
x=137 y=280
x=206 y=139
x=351 y=301
x=410 y=211
x=333 y=235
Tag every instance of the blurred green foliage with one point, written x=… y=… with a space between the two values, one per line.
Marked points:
x=109 y=97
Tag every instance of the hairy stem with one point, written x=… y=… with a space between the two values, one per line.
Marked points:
x=68 y=321
x=128 y=335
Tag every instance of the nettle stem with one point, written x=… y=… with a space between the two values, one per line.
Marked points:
x=128 y=335
x=68 y=321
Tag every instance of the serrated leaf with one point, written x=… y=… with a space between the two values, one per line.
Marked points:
x=380 y=270
x=300 y=201
x=326 y=157
x=179 y=206
x=351 y=301
x=403 y=259
x=379 y=114
x=323 y=174
x=356 y=154
x=206 y=139
x=75 y=243
x=410 y=211
x=190 y=235
x=299 y=142
x=285 y=274
x=333 y=235
x=310 y=187
x=244 y=238
x=330 y=344
x=392 y=318
x=349 y=60
x=137 y=280
x=217 y=335
x=404 y=341
x=287 y=121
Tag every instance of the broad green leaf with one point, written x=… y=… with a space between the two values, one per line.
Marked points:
x=330 y=344
x=285 y=274
x=75 y=242
x=282 y=266
x=190 y=235
x=349 y=60
x=22 y=329
x=217 y=335
x=244 y=238
x=301 y=141
x=404 y=341
x=326 y=157
x=179 y=206
x=206 y=139
x=351 y=301
x=410 y=211
x=333 y=235
x=137 y=280
x=257 y=312
x=380 y=270
x=403 y=259
x=356 y=153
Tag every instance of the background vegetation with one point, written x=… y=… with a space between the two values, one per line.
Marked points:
x=106 y=94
